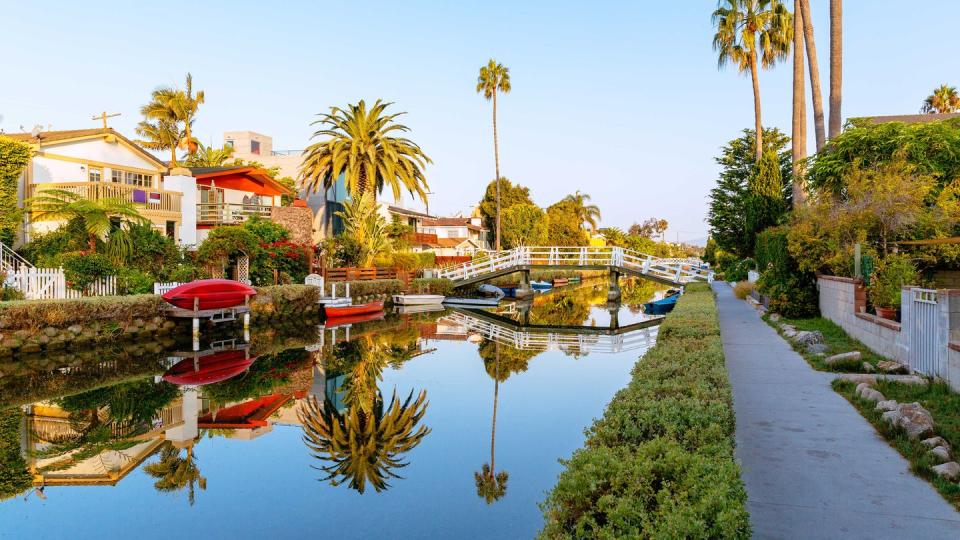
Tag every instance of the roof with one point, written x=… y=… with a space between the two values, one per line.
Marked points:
x=453 y=242
x=246 y=178
x=908 y=118
x=50 y=137
x=451 y=222
x=406 y=211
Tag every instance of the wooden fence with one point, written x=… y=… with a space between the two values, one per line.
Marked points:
x=444 y=260
x=365 y=274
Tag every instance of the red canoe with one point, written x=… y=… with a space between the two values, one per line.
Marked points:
x=215 y=368
x=349 y=311
x=332 y=322
x=211 y=294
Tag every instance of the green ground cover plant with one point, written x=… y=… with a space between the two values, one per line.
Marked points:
x=659 y=463
x=836 y=340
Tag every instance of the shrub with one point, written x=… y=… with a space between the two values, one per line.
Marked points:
x=266 y=231
x=741 y=270
x=372 y=286
x=63 y=313
x=743 y=289
x=133 y=281
x=891 y=274
x=152 y=251
x=82 y=269
x=659 y=463
x=432 y=286
x=791 y=291
x=342 y=251
x=226 y=241
x=284 y=299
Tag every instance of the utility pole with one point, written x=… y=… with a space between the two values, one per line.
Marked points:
x=103 y=116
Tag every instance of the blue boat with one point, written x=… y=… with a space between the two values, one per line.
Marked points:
x=663 y=306
x=541 y=286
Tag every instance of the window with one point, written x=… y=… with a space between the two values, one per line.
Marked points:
x=171 y=229
x=95 y=175
x=131 y=178
x=255 y=147
x=228 y=143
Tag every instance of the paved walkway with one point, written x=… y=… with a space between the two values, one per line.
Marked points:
x=813 y=467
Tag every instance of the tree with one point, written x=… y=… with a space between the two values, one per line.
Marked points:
x=814 y=74
x=765 y=201
x=752 y=34
x=650 y=228
x=729 y=200
x=524 y=224
x=359 y=143
x=510 y=194
x=944 y=99
x=174 y=473
x=159 y=135
x=493 y=79
x=14 y=157
x=589 y=213
x=836 y=66
x=799 y=136
x=173 y=108
x=97 y=215
x=564 y=225
x=363 y=222
x=208 y=156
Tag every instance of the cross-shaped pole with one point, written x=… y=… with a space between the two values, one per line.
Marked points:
x=103 y=116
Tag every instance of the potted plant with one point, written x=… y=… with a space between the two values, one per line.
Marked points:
x=891 y=274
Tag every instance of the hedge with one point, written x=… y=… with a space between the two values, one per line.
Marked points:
x=660 y=463
x=371 y=287
x=62 y=313
x=432 y=286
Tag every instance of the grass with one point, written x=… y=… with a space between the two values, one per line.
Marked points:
x=659 y=463
x=937 y=398
x=836 y=339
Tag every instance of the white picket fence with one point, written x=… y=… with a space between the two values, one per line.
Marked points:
x=163 y=288
x=51 y=284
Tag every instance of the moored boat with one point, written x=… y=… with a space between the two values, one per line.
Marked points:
x=209 y=294
x=560 y=281
x=541 y=285
x=466 y=301
x=352 y=310
x=333 y=322
x=417 y=299
x=211 y=369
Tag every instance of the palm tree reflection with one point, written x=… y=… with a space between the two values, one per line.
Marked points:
x=174 y=472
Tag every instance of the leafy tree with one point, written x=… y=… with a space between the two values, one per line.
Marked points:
x=650 y=228
x=752 y=34
x=565 y=225
x=765 y=202
x=510 y=194
x=96 y=215
x=524 y=224
x=727 y=214
x=944 y=99
x=494 y=78
x=14 y=157
x=359 y=143
x=589 y=213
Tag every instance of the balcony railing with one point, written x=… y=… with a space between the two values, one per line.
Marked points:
x=155 y=201
x=229 y=213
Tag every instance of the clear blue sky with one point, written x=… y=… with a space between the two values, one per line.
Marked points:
x=622 y=100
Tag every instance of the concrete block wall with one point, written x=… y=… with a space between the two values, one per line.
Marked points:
x=843 y=301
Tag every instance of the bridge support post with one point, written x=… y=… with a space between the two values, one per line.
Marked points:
x=614 y=309
x=613 y=295
x=524 y=290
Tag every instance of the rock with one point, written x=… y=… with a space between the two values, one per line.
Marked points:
x=934 y=442
x=941 y=453
x=788 y=330
x=843 y=358
x=915 y=420
x=887 y=405
x=775 y=317
x=868 y=367
x=858 y=378
x=861 y=387
x=50 y=331
x=892 y=417
x=808 y=337
x=950 y=471
x=892 y=366
x=870 y=394
x=75 y=329
x=817 y=348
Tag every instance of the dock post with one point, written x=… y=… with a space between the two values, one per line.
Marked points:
x=246 y=327
x=524 y=290
x=614 y=293
x=196 y=333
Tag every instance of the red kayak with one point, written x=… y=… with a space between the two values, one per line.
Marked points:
x=211 y=294
x=332 y=322
x=211 y=369
x=349 y=311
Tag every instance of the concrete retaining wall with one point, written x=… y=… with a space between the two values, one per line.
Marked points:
x=843 y=301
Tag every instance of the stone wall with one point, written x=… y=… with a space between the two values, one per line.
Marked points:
x=947 y=279
x=296 y=218
x=843 y=301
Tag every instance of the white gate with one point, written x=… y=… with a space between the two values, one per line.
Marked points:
x=924 y=335
x=51 y=283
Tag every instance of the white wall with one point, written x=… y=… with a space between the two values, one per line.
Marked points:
x=103 y=151
x=838 y=302
x=187 y=185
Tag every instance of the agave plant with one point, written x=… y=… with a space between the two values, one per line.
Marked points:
x=368 y=228
x=357 y=446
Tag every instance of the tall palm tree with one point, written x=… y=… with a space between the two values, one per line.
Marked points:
x=944 y=99
x=160 y=135
x=494 y=78
x=589 y=214
x=491 y=485
x=174 y=473
x=360 y=144
x=799 y=136
x=752 y=34
x=814 y=74
x=209 y=156
x=177 y=106
x=96 y=215
x=836 y=66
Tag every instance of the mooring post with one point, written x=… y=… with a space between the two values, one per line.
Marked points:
x=196 y=333
x=246 y=327
x=613 y=295
x=524 y=290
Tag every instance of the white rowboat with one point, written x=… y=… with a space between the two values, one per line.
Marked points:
x=417 y=299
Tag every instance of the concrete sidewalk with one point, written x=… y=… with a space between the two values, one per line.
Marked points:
x=813 y=467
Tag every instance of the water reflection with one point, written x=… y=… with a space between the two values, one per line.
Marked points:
x=492 y=485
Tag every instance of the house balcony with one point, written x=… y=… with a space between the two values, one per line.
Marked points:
x=156 y=203
x=229 y=213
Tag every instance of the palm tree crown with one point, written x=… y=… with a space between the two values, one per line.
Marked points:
x=944 y=99
x=589 y=214
x=171 y=108
x=359 y=143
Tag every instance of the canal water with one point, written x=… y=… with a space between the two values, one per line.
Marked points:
x=381 y=428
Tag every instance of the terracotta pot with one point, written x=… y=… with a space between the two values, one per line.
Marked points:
x=887 y=313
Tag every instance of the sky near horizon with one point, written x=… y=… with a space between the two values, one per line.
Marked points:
x=621 y=100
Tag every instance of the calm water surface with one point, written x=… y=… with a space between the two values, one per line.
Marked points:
x=299 y=441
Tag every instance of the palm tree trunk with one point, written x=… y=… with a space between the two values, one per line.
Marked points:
x=799 y=139
x=836 y=65
x=496 y=161
x=814 y=74
x=756 y=104
x=493 y=429
x=173 y=156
